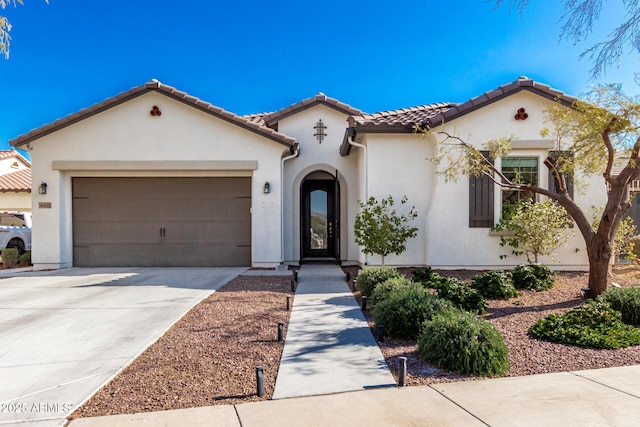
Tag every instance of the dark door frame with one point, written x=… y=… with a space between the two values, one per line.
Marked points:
x=331 y=186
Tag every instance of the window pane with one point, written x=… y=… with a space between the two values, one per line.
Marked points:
x=520 y=170
x=523 y=162
x=319 y=236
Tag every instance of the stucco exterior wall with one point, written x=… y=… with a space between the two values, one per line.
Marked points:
x=11 y=164
x=11 y=201
x=398 y=165
x=127 y=141
x=452 y=243
x=315 y=156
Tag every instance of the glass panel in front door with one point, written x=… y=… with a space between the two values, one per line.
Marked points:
x=319 y=226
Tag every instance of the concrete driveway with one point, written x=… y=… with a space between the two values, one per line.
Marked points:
x=65 y=333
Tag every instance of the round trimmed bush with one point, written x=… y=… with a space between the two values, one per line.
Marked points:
x=495 y=285
x=10 y=257
x=405 y=308
x=591 y=324
x=460 y=342
x=535 y=277
x=626 y=301
x=382 y=290
x=25 y=259
x=369 y=277
x=428 y=278
x=462 y=295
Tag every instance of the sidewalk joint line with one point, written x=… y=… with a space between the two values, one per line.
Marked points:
x=459 y=406
x=235 y=408
x=604 y=385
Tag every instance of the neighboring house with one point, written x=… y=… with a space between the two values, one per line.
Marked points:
x=15 y=182
x=155 y=176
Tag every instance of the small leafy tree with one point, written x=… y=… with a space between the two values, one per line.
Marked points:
x=624 y=243
x=381 y=230
x=535 y=229
x=595 y=133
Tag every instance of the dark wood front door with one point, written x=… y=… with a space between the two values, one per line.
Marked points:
x=320 y=227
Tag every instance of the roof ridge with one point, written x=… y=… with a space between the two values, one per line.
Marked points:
x=432 y=115
x=157 y=86
x=318 y=98
x=423 y=107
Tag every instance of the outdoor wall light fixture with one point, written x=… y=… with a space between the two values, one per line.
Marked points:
x=43 y=188
x=267 y=188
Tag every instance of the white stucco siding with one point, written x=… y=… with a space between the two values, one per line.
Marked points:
x=398 y=166
x=169 y=145
x=452 y=243
x=326 y=157
x=15 y=201
x=11 y=164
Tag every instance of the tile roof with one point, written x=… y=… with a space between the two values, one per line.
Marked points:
x=320 y=98
x=522 y=83
x=404 y=117
x=16 y=181
x=432 y=115
x=8 y=154
x=169 y=91
x=257 y=118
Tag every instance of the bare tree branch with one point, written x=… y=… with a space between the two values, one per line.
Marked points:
x=579 y=19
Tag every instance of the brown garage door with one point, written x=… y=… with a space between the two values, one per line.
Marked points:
x=161 y=221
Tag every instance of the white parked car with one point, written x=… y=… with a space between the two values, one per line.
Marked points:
x=15 y=231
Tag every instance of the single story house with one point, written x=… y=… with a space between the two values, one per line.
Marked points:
x=15 y=182
x=157 y=177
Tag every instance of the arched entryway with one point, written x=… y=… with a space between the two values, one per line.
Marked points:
x=320 y=217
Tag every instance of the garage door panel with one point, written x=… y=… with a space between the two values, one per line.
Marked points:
x=147 y=255
x=224 y=231
x=111 y=232
x=162 y=221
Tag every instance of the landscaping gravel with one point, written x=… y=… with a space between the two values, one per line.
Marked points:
x=513 y=318
x=209 y=356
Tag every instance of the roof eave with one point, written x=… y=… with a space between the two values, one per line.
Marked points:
x=165 y=90
x=494 y=96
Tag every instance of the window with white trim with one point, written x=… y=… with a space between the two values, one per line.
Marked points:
x=520 y=170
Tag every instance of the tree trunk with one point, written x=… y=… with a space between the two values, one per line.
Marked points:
x=600 y=252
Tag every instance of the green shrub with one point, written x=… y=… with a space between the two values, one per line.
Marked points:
x=428 y=278
x=25 y=259
x=495 y=284
x=535 y=277
x=626 y=301
x=405 y=309
x=369 y=277
x=10 y=257
x=462 y=295
x=592 y=324
x=460 y=342
x=381 y=291
x=635 y=251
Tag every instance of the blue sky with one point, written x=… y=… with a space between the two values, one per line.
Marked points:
x=252 y=56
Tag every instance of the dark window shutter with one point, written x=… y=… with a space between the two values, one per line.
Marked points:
x=481 y=200
x=553 y=182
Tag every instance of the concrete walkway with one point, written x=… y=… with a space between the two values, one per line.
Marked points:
x=65 y=333
x=329 y=347
x=600 y=397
